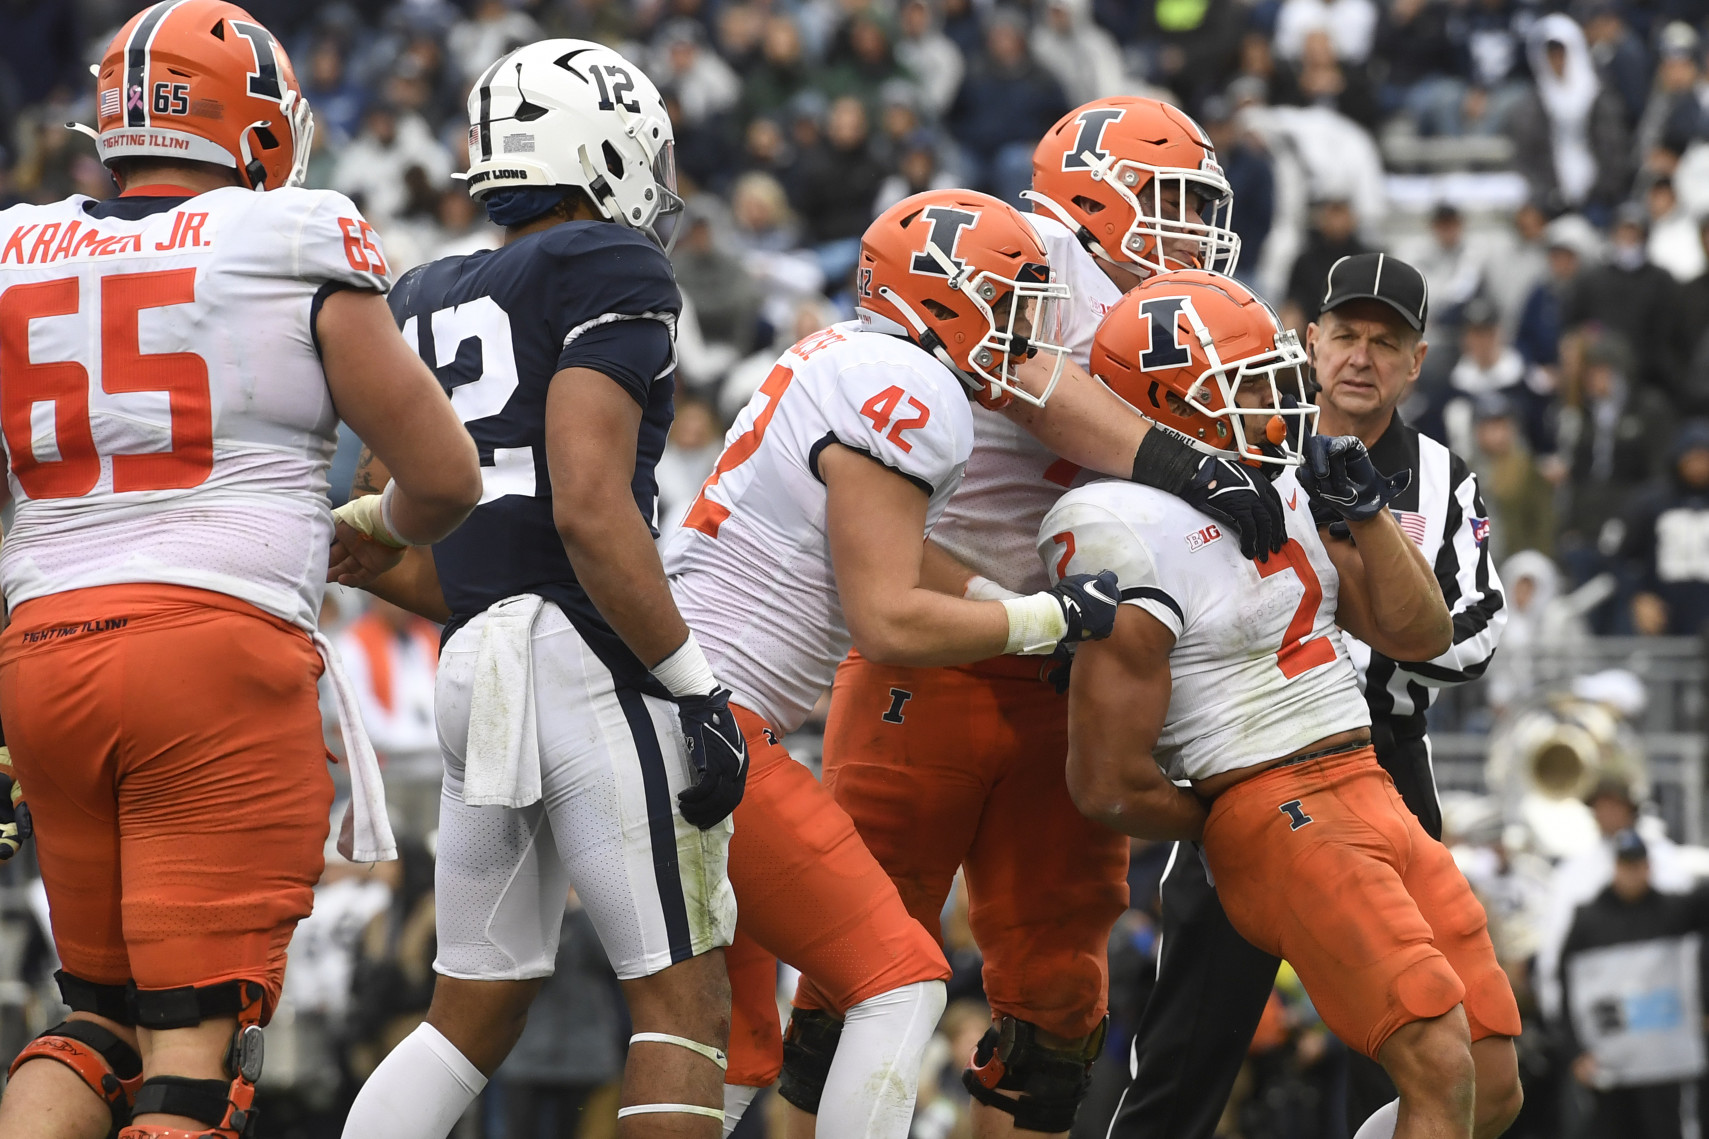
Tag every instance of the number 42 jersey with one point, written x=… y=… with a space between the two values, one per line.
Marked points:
x=166 y=418
x=751 y=565
x=1259 y=669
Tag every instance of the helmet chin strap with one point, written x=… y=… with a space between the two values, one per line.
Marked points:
x=1081 y=234
x=600 y=189
x=302 y=120
x=929 y=340
x=251 y=165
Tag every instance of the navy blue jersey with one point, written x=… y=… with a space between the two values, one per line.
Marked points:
x=495 y=327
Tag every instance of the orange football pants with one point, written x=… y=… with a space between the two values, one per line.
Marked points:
x=169 y=745
x=1323 y=864
x=942 y=768
x=809 y=893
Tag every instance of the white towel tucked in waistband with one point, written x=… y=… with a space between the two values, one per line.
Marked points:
x=501 y=767
x=367 y=837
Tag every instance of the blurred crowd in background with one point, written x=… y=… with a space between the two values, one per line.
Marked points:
x=1545 y=164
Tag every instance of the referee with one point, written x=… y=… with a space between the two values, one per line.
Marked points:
x=1366 y=347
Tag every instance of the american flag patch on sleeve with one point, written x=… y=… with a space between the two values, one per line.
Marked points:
x=1412 y=524
x=111 y=102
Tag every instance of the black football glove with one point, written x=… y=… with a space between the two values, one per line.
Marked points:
x=720 y=758
x=15 y=825
x=1059 y=667
x=1226 y=489
x=1339 y=474
x=1089 y=603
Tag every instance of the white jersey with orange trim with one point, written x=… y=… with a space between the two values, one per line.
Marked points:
x=1012 y=478
x=751 y=563
x=165 y=415
x=1259 y=668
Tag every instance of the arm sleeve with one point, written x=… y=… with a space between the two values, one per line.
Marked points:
x=331 y=242
x=631 y=351
x=625 y=328
x=1084 y=537
x=900 y=418
x=1470 y=586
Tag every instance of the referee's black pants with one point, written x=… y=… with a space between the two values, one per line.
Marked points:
x=1212 y=984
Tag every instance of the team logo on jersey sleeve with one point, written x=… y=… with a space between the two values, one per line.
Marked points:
x=1480 y=530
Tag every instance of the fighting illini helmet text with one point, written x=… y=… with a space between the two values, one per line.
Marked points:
x=1197 y=352
x=964 y=276
x=200 y=80
x=1129 y=174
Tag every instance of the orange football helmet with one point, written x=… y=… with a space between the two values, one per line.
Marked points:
x=200 y=80
x=1138 y=180
x=1197 y=352
x=965 y=277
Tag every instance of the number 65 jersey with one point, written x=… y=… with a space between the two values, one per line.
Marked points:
x=750 y=566
x=165 y=415
x=1258 y=666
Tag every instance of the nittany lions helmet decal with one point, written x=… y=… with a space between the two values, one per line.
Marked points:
x=1197 y=352
x=575 y=113
x=964 y=276
x=1138 y=180
x=200 y=80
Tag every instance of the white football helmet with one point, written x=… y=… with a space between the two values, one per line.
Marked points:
x=576 y=113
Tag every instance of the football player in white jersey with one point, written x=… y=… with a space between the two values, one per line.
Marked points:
x=1122 y=188
x=173 y=365
x=807 y=537
x=1225 y=711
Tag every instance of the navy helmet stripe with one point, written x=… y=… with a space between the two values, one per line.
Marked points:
x=485 y=85
x=136 y=62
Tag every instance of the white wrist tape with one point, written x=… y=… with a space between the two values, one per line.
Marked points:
x=1036 y=624
x=368 y=516
x=984 y=589
x=685 y=672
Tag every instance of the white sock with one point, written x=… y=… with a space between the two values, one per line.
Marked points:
x=1381 y=1125
x=737 y=1097
x=870 y=1089
x=419 y=1091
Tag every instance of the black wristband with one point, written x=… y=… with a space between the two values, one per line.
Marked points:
x=1165 y=460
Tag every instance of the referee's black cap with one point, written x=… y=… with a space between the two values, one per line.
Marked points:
x=1379 y=277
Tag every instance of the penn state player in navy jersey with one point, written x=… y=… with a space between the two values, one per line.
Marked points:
x=586 y=740
x=581 y=294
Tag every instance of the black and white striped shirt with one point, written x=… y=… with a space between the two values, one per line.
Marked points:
x=1443 y=512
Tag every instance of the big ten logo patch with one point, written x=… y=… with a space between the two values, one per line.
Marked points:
x=1199 y=539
